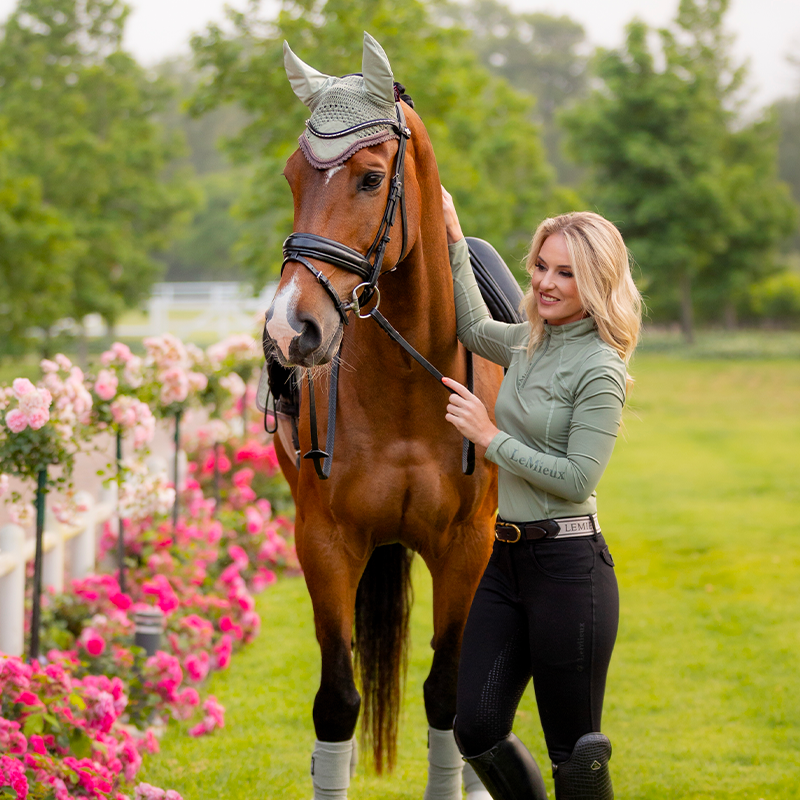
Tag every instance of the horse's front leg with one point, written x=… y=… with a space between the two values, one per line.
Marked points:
x=455 y=577
x=332 y=576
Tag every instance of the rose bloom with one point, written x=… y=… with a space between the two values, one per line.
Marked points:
x=38 y=418
x=16 y=420
x=106 y=384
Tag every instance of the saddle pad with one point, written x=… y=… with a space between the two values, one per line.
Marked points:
x=499 y=287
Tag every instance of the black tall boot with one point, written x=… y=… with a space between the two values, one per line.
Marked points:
x=509 y=772
x=585 y=776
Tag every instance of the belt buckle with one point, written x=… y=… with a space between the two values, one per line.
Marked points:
x=509 y=541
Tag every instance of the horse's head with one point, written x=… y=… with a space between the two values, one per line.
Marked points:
x=344 y=188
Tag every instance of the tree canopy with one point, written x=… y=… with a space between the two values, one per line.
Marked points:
x=80 y=111
x=695 y=194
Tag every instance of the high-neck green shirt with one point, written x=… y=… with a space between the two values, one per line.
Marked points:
x=558 y=410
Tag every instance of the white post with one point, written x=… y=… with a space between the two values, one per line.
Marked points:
x=53 y=562
x=82 y=548
x=12 y=590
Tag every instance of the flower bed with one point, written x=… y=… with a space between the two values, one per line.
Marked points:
x=77 y=722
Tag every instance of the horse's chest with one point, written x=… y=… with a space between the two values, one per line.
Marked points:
x=399 y=489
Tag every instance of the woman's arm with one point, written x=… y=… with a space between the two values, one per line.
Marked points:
x=475 y=327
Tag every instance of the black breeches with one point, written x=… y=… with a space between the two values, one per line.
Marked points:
x=549 y=610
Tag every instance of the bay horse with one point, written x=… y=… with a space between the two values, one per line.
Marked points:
x=396 y=484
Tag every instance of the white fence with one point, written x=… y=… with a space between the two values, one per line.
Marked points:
x=204 y=309
x=69 y=549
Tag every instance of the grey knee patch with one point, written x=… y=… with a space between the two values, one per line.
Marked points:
x=585 y=775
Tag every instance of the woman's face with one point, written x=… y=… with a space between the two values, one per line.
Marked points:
x=553 y=283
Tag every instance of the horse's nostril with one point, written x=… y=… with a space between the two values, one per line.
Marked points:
x=310 y=337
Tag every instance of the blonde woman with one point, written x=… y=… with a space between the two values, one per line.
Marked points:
x=547 y=606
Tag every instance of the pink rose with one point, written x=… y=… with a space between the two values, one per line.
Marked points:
x=106 y=384
x=94 y=643
x=16 y=420
x=27 y=699
x=22 y=386
x=38 y=418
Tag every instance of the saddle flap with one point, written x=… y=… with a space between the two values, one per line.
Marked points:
x=499 y=287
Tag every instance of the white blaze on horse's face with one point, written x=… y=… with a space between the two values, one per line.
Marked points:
x=281 y=315
x=331 y=172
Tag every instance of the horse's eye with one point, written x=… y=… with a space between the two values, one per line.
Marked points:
x=372 y=180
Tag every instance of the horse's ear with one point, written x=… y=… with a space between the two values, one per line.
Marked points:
x=377 y=71
x=306 y=81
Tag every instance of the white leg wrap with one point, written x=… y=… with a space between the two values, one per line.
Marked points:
x=472 y=785
x=354 y=757
x=444 y=766
x=330 y=769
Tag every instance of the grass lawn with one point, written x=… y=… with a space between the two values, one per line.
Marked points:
x=701 y=507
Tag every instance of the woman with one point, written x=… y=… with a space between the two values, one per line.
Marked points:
x=547 y=606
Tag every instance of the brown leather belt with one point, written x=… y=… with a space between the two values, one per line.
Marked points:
x=561 y=528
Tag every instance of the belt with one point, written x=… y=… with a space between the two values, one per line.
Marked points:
x=561 y=528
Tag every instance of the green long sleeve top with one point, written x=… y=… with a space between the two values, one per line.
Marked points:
x=558 y=410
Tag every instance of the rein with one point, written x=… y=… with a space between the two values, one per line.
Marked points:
x=300 y=247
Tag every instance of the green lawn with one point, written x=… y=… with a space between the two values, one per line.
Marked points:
x=701 y=507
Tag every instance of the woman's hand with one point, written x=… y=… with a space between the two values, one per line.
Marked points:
x=451 y=222
x=469 y=416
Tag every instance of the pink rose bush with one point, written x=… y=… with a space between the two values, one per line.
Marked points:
x=33 y=407
x=171 y=377
x=63 y=736
x=79 y=723
x=42 y=426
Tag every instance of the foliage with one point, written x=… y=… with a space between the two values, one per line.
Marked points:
x=538 y=54
x=36 y=245
x=695 y=196
x=80 y=111
x=206 y=250
x=787 y=112
x=489 y=154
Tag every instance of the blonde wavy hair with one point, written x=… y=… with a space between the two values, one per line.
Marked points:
x=601 y=266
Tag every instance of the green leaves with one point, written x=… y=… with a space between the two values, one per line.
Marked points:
x=86 y=149
x=693 y=190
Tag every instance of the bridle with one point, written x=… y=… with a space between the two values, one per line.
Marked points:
x=300 y=247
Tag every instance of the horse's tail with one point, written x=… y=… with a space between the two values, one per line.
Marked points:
x=383 y=607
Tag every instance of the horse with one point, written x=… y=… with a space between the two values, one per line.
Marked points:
x=396 y=484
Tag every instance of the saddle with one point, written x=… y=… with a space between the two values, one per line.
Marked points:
x=500 y=292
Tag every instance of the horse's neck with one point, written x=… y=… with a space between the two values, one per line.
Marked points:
x=417 y=298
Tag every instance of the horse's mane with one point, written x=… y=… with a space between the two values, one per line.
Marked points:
x=400 y=94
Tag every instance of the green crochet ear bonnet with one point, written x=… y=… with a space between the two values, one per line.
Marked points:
x=339 y=104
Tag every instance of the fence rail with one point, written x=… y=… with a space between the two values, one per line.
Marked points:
x=68 y=551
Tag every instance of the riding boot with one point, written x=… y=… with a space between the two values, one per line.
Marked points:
x=330 y=769
x=509 y=772
x=444 y=766
x=585 y=775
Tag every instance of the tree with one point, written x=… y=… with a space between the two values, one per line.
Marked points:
x=80 y=110
x=538 y=54
x=788 y=116
x=694 y=192
x=36 y=252
x=489 y=153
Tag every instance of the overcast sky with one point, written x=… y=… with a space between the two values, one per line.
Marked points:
x=766 y=31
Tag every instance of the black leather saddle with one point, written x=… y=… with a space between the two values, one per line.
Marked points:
x=500 y=291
